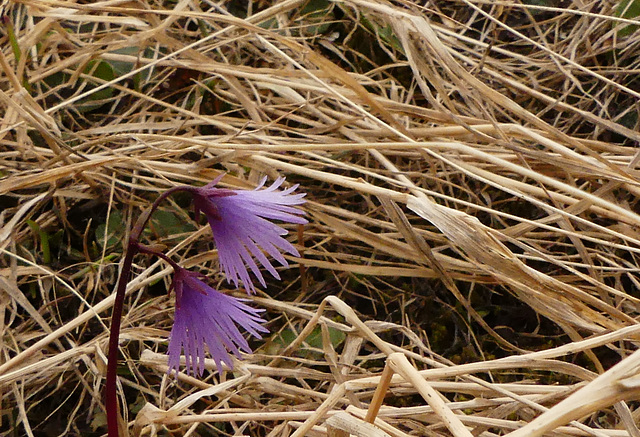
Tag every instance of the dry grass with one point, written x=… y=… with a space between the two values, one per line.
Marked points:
x=472 y=194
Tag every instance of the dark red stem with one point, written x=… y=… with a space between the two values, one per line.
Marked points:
x=111 y=398
x=133 y=248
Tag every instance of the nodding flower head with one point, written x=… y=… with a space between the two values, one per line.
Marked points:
x=206 y=316
x=242 y=227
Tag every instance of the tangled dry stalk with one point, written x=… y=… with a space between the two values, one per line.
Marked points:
x=461 y=155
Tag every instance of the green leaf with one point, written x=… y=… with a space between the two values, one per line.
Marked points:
x=100 y=70
x=629 y=9
x=385 y=33
x=271 y=23
x=122 y=67
x=318 y=12
x=313 y=340
x=113 y=228
x=13 y=41
x=99 y=420
x=44 y=241
x=165 y=223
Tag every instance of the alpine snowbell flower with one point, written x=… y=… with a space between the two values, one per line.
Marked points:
x=203 y=315
x=242 y=230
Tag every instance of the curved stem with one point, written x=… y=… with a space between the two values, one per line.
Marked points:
x=111 y=399
x=149 y=251
x=133 y=248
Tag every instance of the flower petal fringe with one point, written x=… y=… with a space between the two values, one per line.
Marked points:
x=204 y=316
x=241 y=228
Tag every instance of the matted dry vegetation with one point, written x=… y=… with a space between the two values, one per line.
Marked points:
x=470 y=170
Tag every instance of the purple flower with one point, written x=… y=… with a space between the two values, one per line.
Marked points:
x=206 y=316
x=242 y=230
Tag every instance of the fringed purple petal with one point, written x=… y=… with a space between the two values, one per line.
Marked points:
x=242 y=230
x=206 y=316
